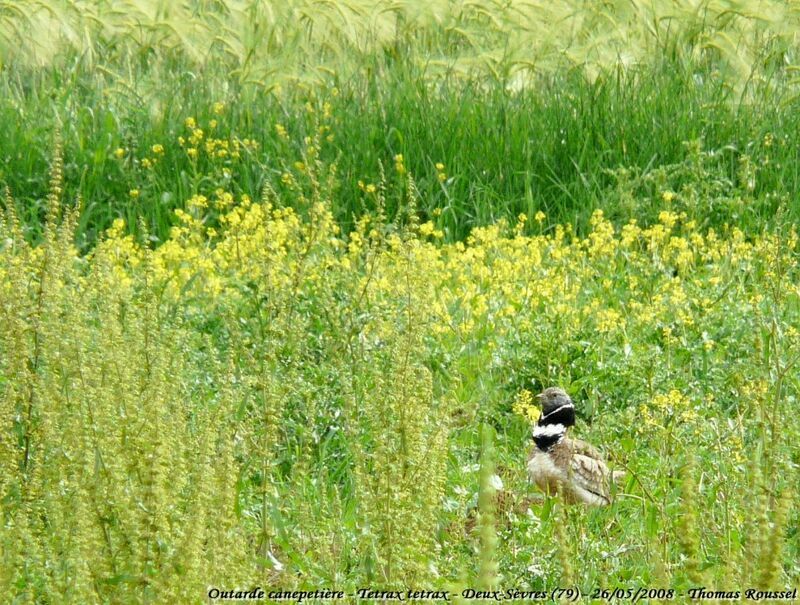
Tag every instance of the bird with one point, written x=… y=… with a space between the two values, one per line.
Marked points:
x=561 y=465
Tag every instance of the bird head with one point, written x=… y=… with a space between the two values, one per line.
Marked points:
x=557 y=407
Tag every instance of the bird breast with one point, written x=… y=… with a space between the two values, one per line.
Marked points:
x=544 y=472
x=577 y=477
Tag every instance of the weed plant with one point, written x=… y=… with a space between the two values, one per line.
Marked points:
x=483 y=145
x=263 y=399
x=278 y=282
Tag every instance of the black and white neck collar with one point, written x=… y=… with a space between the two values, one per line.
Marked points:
x=545 y=436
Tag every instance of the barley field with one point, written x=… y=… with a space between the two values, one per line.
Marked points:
x=279 y=283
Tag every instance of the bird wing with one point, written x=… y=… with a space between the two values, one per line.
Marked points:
x=581 y=447
x=590 y=474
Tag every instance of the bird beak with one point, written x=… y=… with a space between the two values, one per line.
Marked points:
x=539 y=396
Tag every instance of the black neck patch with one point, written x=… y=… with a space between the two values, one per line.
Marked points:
x=564 y=414
x=545 y=436
x=545 y=442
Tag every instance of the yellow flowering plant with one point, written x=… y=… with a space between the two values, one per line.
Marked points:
x=262 y=382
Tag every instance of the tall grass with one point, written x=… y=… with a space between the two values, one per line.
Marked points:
x=565 y=147
x=265 y=400
x=277 y=281
x=301 y=41
x=559 y=107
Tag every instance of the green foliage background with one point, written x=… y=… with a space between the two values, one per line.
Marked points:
x=277 y=281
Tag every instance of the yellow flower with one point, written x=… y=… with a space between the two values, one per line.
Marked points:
x=524 y=406
x=661 y=400
x=426 y=228
x=117 y=227
x=190 y=123
x=158 y=149
x=192 y=153
x=218 y=107
x=539 y=216
x=119 y=152
x=197 y=201
x=134 y=193
x=668 y=219
x=608 y=320
x=439 y=166
x=668 y=196
x=399 y=165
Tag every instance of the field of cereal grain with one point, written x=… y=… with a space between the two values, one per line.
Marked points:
x=278 y=283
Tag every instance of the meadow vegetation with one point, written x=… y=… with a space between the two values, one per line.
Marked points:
x=264 y=325
x=554 y=108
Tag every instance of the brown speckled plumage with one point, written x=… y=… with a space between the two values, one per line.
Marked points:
x=561 y=465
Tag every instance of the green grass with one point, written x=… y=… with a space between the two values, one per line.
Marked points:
x=565 y=146
x=307 y=366
x=274 y=403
